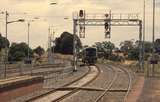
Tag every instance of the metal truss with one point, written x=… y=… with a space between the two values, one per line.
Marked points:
x=115 y=20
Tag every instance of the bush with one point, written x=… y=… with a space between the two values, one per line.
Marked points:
x=116 y=58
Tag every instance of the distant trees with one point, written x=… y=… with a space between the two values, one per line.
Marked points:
x=108 y=46
x=133 y=54
x=19 y=51
x=157 y=45
x=131 y=49
x=39 y=51
x=64 y=44
x=3 y=42
x=105 y=48
x=148 y=46
x=126 y=46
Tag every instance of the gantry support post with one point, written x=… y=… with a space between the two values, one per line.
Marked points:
x=140 y=48
x=74 y=45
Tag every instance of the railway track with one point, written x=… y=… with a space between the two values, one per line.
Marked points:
x=17 y=68
x=56 y=96
x=98 y=93
x=37 y=70
x=101 y=97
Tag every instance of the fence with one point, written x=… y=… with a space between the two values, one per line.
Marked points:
x=152 y=70
x=19 y=68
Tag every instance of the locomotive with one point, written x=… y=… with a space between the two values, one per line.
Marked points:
x=89 y=55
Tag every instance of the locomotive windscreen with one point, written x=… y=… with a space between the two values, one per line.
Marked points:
x=91 y=52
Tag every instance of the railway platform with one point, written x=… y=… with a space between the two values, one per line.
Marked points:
x=151 y=90
x=11 y=88
x=145 y=90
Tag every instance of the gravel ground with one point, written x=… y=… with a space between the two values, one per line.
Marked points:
x=102 y=81
x=120 y=83
x=52 y=82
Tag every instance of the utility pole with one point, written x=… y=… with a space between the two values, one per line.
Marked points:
x=6 y=47
x=28 y=39
x=153 y=39
x=74 y=45
x=140 y=46
x=49 y=45
x=144 y=18
x=50 y=58
x=53 y=45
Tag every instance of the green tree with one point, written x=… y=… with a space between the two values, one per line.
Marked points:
x=19 y=51
x=133 y=54
x=39 y=51
x=127 y=45
x=99 y=46
x=105 y=48
x=3 y=42
x=64 y=44
x=147 y=45
x=157 y=45
x=109 y=46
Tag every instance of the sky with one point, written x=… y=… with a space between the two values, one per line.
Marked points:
x=53 y=15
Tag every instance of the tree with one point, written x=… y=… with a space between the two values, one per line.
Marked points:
x=109 y=46
x=99 y=46
x=157 y=45
x=39 y=51
x=133 y=54
x=126 y=46
x=3 y=42
x=19 y=51
x=132 y=49
x=105 y=47
x=64 y=44
x=147 y=45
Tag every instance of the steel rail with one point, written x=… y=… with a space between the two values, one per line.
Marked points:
x=78 y=89
x=130 y=82
x=54 y=90
x=108 y=86
x=112 y=82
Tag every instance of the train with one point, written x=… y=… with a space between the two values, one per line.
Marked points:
x=89 y=55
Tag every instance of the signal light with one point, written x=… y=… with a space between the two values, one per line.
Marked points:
x=82 y=31
x=81 y=13
x=107 y=30
x=107 y=34
x=106 y=15
x=106 y=25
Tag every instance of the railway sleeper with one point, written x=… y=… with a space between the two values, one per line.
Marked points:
x=90 y=89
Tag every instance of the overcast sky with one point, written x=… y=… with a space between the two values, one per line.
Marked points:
x=53 y=15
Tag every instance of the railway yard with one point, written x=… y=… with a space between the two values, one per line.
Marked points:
x=79 y=51
x=99 y=83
